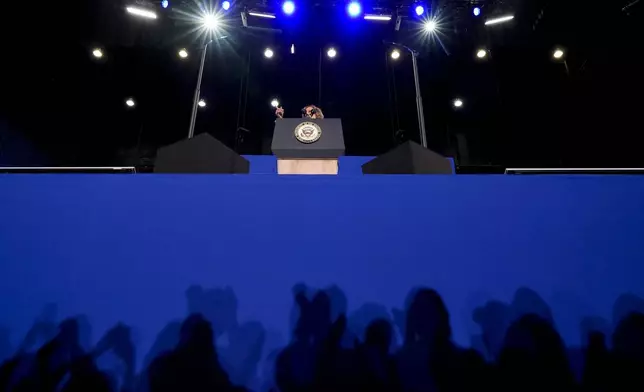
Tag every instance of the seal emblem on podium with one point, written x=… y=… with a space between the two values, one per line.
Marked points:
x=308 y=132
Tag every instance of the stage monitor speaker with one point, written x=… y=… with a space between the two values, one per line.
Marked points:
x=201 y=154
x=409 y=158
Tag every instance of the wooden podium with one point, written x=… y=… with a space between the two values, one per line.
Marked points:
x=308 y=146
x=307 y=166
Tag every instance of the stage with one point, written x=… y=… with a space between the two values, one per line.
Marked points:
x=127 y=249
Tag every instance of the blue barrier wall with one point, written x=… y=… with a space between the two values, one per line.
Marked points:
x=128 y=248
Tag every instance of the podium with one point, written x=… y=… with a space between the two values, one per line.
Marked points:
x=308 y=146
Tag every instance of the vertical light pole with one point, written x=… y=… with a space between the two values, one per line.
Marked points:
x=395 y=54
x=195 y=100
x=209 y=22
x=419 y=99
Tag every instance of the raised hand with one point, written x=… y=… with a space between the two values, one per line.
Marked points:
x=279 y=112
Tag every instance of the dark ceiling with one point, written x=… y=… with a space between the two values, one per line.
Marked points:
x=521 y=108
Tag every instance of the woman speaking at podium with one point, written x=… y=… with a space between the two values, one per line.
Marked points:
x=310 y=111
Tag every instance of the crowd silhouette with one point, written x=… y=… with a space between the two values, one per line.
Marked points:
x=371 y=349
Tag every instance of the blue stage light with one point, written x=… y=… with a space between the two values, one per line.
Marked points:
x=477 y=11
x=225 y=5
x=165 y=3
x=420 y=10
x=288 y=7
x=354 y=9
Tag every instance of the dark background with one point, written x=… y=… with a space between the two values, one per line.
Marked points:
x=60 y=106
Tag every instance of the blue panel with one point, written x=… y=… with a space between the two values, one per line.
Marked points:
x=127 y=248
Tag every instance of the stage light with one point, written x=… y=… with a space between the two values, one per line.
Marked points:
x=201 y=103
x=481 y=53
x=395 y=54
x=130 y=102
x=558 y=54
x=275 y=103
x=141 y=12
x=331 y=53
x=476 y=11
x=458 y=103
x=268 y=53
x=210 y=21
x=165 y=3
x=261 y=15
x=419 y=10
x=354 y=9
x=183 y=53
x=288 y=7
x=97 y=53
x=292 y=48
x=430 y=26
x=384 y=18
x=501 y=19
x=225 y=5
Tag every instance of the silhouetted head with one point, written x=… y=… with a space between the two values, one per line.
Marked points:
x=196 y=331
x=338 y=301
x=366 y=314
x=534 y=353
x=218 y=306
x=68 y=330
x=527 y=301
x=428 y=318
x=628 y=338
x=532 y=332
x=625 y=305
x=593 y=325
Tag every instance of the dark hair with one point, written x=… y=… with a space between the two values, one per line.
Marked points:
x=314 y=110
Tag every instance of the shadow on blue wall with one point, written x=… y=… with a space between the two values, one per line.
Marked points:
x=519 y=348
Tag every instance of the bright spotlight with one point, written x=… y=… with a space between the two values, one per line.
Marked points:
x=499 y=20
x=141 y=12
x=210 y=21
x=395 y=54
x=331 y=53
x=275 y=103
x=458 y=103
x=165 y=3
x=183 y=53
x=430 y=26
x=481 y=53
x=97 y=53
x=354 y=9
x=225 y=5
x=476 y=11
x=268 y=53
x=201 y=103
x=130 y=102
x=288 y=7
x=558 y=54
x=419 y=10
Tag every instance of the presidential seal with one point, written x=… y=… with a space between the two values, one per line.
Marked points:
x=308 y=132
